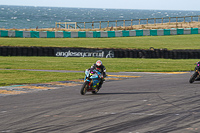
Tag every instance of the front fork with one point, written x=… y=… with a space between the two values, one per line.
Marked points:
x=197 y=71
x=89 y=82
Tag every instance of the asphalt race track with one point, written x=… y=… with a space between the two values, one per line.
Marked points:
x=152 y=103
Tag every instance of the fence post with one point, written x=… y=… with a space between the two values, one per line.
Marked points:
x=84 y=25
x=154 y=21
x=124 y=24
x=99 y=24
x=92 y=24
x=139 y=21
x=116 y=24
x=147 y=21
x=198 y=18
x=65 y=25
x=75 y=25
x=184 y=19
x=108 y=24
x=162 y=21
x=131 y=22
x=169 y=20
x=191 y=19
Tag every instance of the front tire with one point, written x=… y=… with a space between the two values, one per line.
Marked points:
x=193 y=77
x=84 y=88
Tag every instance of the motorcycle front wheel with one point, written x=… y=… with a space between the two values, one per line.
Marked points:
x=84 y=88
x=193 y=77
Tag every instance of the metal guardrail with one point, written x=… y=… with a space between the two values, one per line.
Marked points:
x=126 y=23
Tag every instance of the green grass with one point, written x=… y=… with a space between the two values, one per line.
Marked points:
x=112 y=64
x=15 y=77
x=145 y=42
x=9 y=77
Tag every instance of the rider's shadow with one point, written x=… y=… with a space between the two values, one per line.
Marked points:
x=126 y=93
x=196 y=82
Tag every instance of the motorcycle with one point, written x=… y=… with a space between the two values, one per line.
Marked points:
x=91 y=82
x=195 y=76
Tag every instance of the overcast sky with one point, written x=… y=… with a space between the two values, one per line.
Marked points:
x=113 y=4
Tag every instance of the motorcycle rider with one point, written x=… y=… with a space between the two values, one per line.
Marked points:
x=101 y=68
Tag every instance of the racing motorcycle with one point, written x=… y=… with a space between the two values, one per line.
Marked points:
x=195 y=76
x=91 y=82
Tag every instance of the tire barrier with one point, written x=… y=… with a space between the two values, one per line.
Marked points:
x=26 y=51
x=101 y=53
x=98 y=34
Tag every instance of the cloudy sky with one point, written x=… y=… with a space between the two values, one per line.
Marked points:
x=113 y=4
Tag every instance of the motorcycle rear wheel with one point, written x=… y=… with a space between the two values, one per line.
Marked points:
x=84 y=88
x=193 y=77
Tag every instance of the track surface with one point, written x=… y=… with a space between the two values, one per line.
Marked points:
x=153 y=103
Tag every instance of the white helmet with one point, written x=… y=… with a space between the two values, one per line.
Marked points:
x=98 y=64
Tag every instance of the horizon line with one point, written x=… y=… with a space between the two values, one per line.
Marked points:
x=103 y=8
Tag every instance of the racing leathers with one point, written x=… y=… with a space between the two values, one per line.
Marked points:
x=102 y=70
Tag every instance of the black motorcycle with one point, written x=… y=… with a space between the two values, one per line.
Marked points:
x=195 y=76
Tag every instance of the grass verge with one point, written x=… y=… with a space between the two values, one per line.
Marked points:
x=112 y=64
x=9 y=77
x=15 y=77
x=144 y=42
